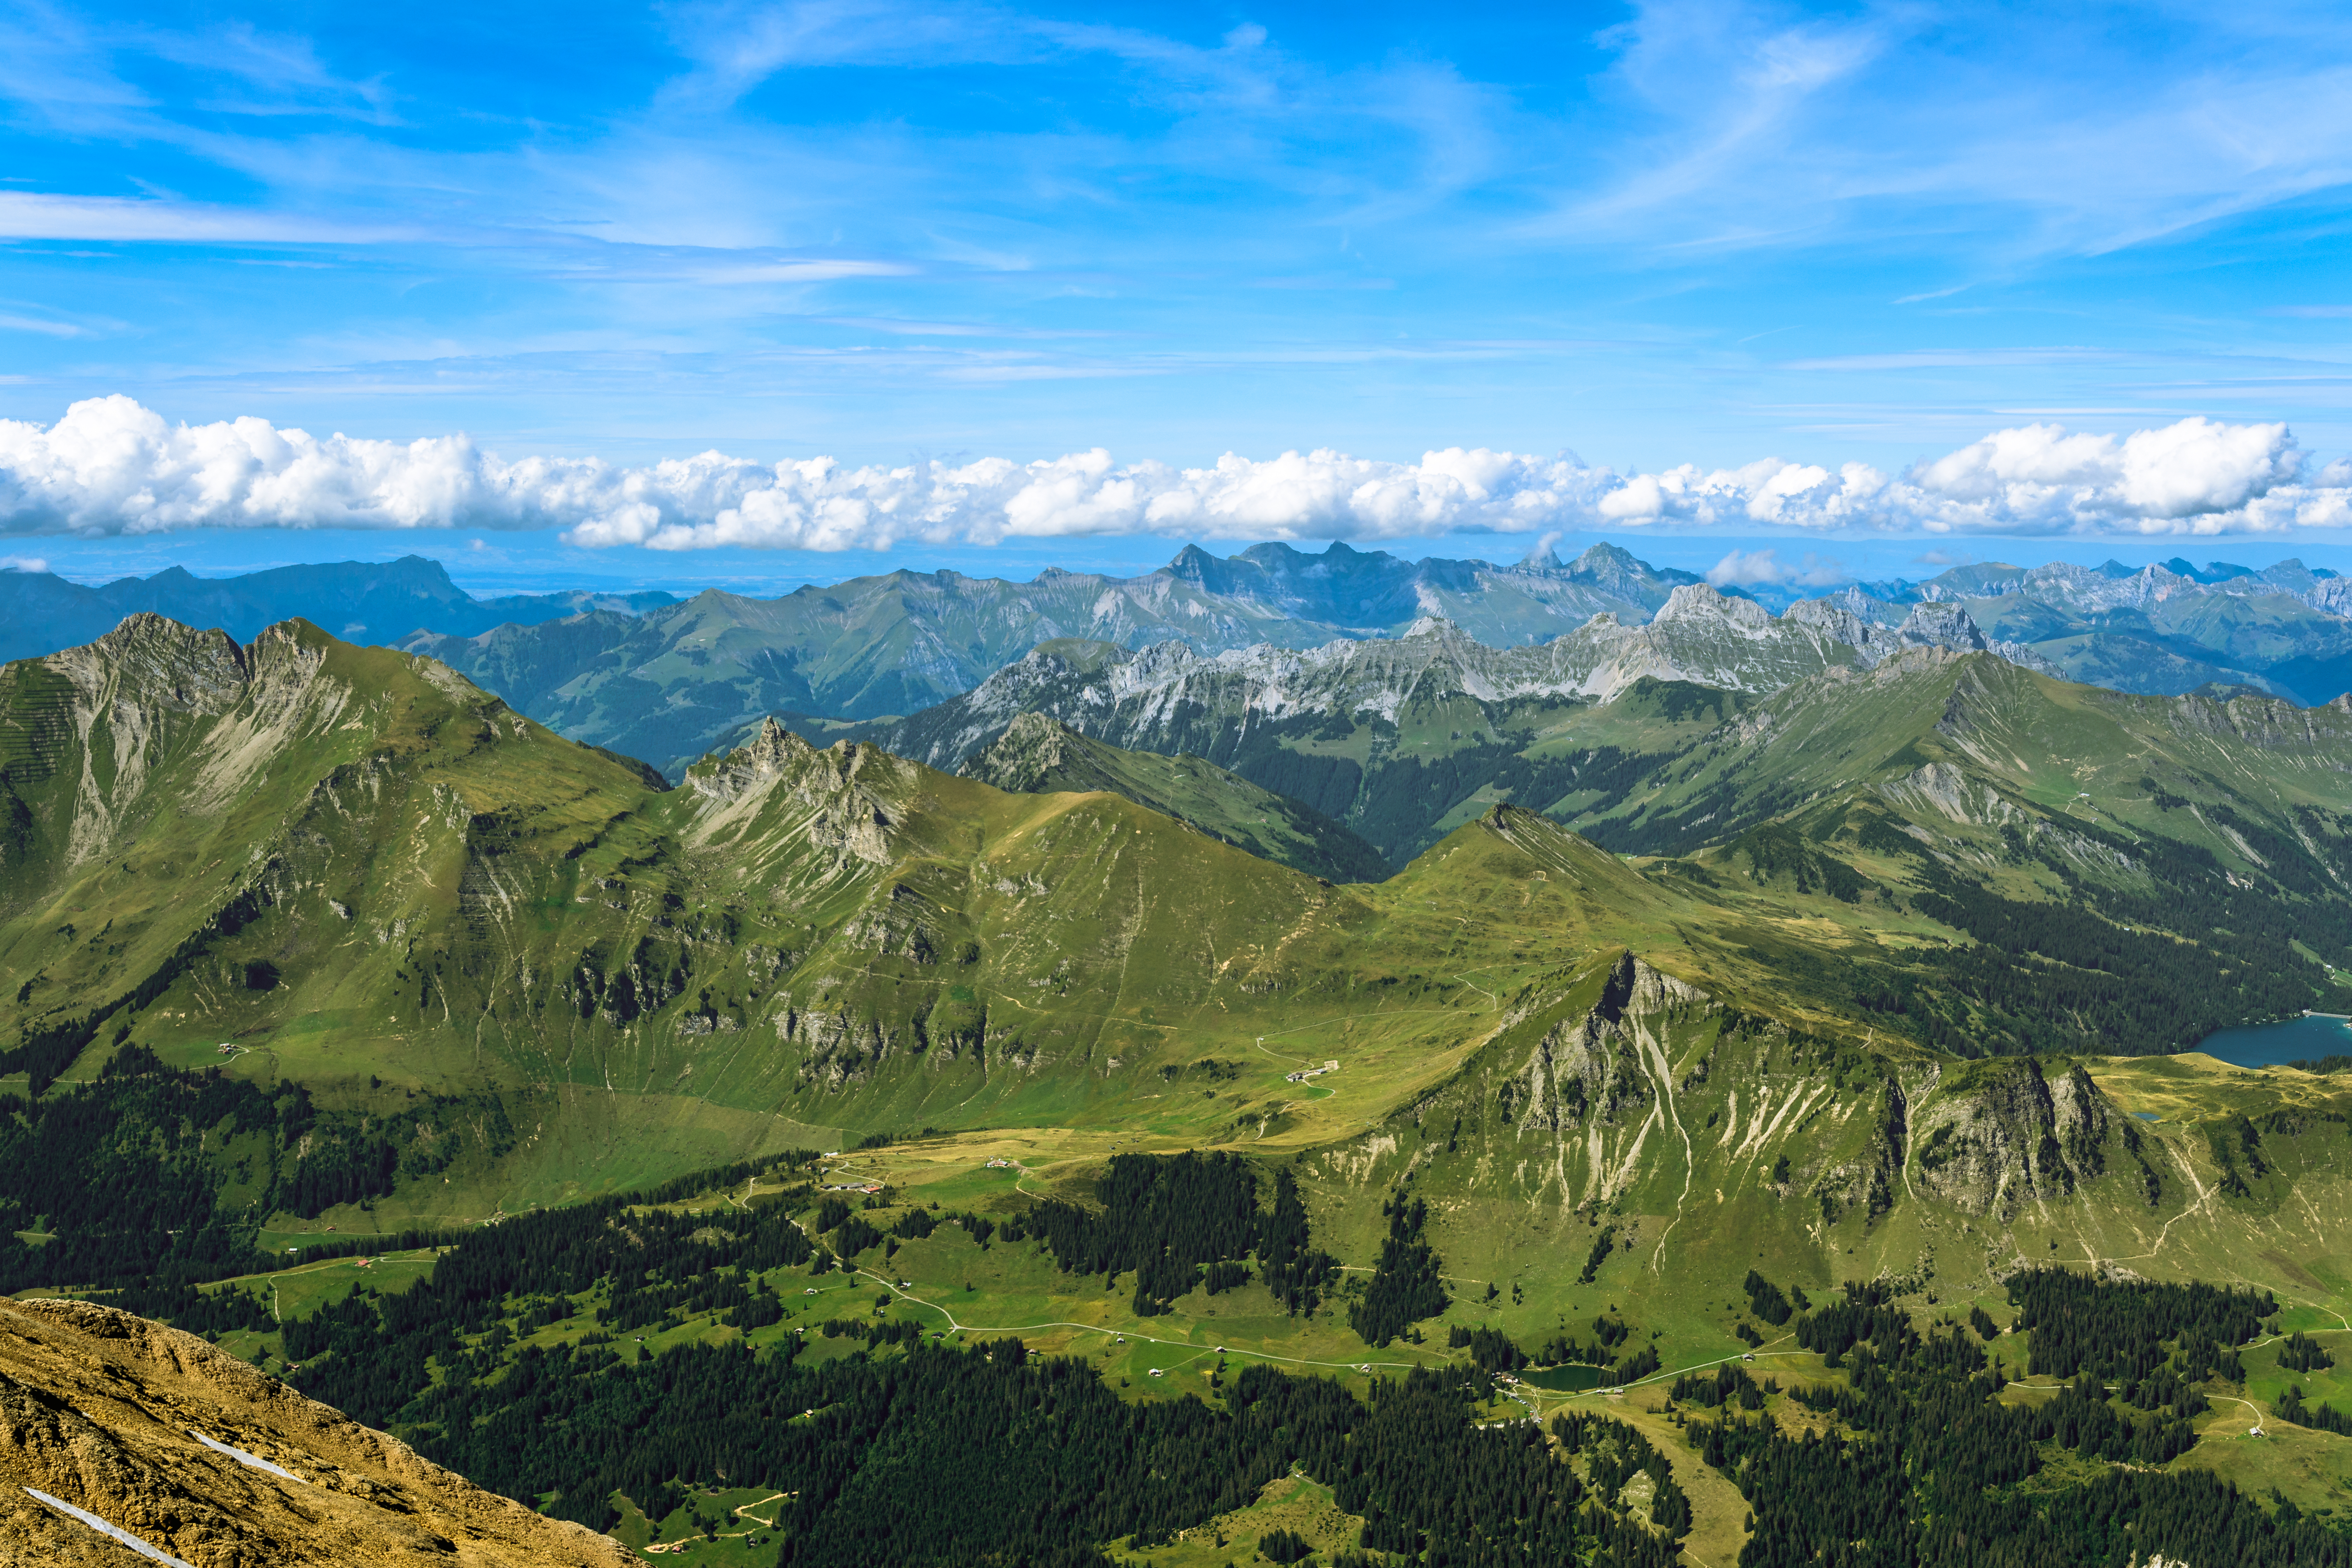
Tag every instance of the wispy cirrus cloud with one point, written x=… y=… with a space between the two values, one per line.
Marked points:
x=2018 y=134
x=30 y=215
x=41 y=326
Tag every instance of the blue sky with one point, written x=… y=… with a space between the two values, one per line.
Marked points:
x=1611 y=241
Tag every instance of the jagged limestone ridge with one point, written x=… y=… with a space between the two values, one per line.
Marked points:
x=1151 y=700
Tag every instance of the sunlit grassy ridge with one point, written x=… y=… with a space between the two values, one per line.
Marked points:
x=1036 y=755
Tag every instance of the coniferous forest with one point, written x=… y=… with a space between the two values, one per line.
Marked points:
x=920 y=1449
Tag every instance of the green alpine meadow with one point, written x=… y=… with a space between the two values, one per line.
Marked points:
x=1756 y=1113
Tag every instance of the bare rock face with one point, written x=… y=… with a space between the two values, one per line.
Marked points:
x=1862 y=624
x=101 y=1411
x=846 y=799
x=2005 y=1136
x=1032 y=750
x=773 y=754
x=1594 y=1067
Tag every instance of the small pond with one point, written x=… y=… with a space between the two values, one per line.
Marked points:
x=2269 y=1044
x=1566 y=1379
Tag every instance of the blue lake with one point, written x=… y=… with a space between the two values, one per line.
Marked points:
x=2269 y=1044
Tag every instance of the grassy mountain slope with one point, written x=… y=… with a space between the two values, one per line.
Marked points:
x=170 y=795
x=2059 y=826
x=2055 y=747
x=365 y=875
x=2131 y=869
x=1036 y=755
x=244 y=847
x=349 y=867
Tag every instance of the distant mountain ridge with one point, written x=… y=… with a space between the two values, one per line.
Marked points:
x=1403 y=740
x=1177 y=695
x=673 y=684
x=668 y=681
x=361 y=600
x=2161 y=629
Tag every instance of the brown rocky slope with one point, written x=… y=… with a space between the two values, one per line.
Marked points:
x=101 y=1411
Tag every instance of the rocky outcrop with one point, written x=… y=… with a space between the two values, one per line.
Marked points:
x=210 y=1463
x=1033 y=754
x=775 y=753
x=2002 y=1135
x=1588 y=1069
x=1594 y=1087
x=847 y=798
x=1943 y=789
x=1864 y=624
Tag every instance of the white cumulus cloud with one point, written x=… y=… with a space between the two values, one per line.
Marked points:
x=2196 y=475
x=111 y=466
x=1750 y=568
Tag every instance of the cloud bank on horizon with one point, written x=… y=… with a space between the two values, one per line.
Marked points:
x=111 y=467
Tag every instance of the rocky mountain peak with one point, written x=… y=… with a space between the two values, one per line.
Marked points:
x=1947 y=625
x=147 y=636
x=774 y=752
x=1033 y=748
x=1700 y=600
x=849 y=801
x=1837 y=618
x=1605 y=561
x=1195 y=566
x=1933 y=623
x=149 y=659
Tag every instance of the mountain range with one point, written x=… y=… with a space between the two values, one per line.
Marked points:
x=1405 y=738
x=1869 y=968
x=353 y=857
x=365 y=600
x=667 y=680
x=2161 y=629
x=673 y=683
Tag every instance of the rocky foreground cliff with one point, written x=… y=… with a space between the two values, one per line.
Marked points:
x=115 y=1429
